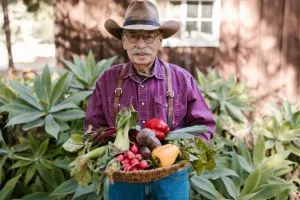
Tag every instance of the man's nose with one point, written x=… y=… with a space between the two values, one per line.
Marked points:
x=141 y=42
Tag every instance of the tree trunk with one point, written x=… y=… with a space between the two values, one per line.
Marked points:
x=11 y=67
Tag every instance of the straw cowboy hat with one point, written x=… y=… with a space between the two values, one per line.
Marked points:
x=141 y=15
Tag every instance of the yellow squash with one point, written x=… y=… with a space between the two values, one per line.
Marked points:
x=165 y=155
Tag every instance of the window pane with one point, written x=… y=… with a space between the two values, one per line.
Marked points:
x=175 y=9
x=207 y=8
x=191 y=29
x=206 y=27
x=192 y=9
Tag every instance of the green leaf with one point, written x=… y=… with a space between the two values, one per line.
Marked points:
x=8 y=188
x=46 y=176
x=1 y=138
x=21 y=163
x=62 y=106
x=245 y=152
x=199 y=183
x=66 y=188
x=17 y=108
x=219 y=172
x=69 y=115
x=252 y=182
x=51 y=126
x=43 y=148
x=25 y=94
x=271 y=190
x=37 y=196
x=232 y=190
x=76 y=69
x=235 y=113
x=24 y=118
x=74 y=143
x=63 y=164
x=59 y=88
x=78 y=97
x=259 y=151
x=30 y=173
x=46 y=83
x=80 y=191
x=34 y=124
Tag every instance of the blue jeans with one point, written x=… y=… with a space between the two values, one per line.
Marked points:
x=173 y=187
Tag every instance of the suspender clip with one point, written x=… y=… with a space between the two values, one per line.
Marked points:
x=118 y=92
x=170 y=93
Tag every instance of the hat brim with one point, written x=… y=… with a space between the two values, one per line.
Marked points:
x=168 y=28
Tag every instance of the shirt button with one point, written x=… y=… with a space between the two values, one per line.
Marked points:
x=143 y=122
x=143 y=103
x=142 y=86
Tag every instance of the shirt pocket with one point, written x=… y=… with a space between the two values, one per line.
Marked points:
x=180 y=111
x=161 y=107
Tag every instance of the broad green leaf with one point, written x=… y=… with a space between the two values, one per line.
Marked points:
x=259 y=151
x=51 y=126
x=66 y=188
x=232 y=190
x=46 y=176
x=69 y=115
x=59 y=88
x=21 y=163
x=295 y=150
x=74 y=143
x=271 y=190
x=25 y=118
x=252 y=182
x=245 y=152
x=37 y=196
x=25 y=94
x=30 y=173
x=80 y=191
x=63 y=164
x=62 y=106
x=199 y=183
x=34 y=124
x=76 y=70
x=8 y=188
x=1 y=138
x=235 y=113
x=219 y=172
x=37 y=185
x=43 y=148
x=46 y=83
x=78 y=97
x=17 y=108
x=288 y=112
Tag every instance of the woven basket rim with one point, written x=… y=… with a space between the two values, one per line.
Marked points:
x=148 y=175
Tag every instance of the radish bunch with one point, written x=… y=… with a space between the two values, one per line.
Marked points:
x=132 y=160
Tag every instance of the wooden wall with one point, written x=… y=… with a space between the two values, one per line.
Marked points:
x=260 y=42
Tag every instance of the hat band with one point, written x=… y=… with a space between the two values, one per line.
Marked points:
x=143 y=22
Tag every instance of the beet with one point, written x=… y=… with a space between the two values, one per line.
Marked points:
x=145 y=151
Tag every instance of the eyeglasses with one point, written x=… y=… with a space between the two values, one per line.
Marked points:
x=148 y=37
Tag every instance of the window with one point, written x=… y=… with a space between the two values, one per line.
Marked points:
x=199 y=19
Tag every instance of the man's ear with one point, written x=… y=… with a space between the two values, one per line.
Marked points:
x=124 y=43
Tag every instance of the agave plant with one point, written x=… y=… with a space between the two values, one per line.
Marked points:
x=44 y=105
x=86 y=72
x=225 y=96
x=245 y=176
x=281 y=130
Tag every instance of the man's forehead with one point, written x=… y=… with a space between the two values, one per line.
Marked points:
x=141 y=31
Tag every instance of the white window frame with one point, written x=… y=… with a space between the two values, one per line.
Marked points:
x=205 y=40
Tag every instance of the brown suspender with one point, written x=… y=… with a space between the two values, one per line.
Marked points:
x=170 y=93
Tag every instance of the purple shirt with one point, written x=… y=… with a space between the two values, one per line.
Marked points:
x=149 y=98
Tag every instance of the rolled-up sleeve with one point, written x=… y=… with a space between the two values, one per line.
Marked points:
x=95 y=115
x=198 y=112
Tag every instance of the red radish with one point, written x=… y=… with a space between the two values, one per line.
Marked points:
x=125 y=161
x=143 y=164
x=138 y=156
x=130 y=155
x=134 y=162
x=120 y=158
x=134 y=149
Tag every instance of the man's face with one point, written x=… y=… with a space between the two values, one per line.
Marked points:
x=142 y=47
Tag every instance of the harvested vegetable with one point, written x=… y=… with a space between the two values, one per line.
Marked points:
x=126 y=120
x=160 y=128
x=146 y=137
x=165 y=155
x=103 y=135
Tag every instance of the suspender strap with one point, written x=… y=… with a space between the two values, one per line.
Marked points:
x=118 y=91
x=170 y=95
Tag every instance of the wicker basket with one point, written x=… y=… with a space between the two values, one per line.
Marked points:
x=144 y=176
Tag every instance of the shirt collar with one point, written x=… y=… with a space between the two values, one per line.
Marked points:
x=158 y=70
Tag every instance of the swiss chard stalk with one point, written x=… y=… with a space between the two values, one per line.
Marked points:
x=126 y=120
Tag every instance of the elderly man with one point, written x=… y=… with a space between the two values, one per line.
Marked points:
x=155 y=89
